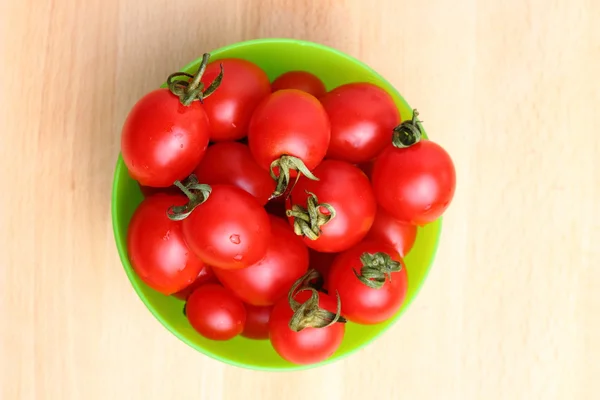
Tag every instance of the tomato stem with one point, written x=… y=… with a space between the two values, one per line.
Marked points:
x=408 y=132
x=191 y=88
x=197 y=194
x=285 y=164
x=308 y=221
x=376 y=269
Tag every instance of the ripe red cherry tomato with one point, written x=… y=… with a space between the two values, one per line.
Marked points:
x=381 y=296
x=156 y=248
x=205 y=276
x=229 y=230
x=270 y=279
x=423 y=191
x=300 y=80
x=230 y=108
x=215 y=313
x=232 y=163
x=289 y=131
x=387 y=229
x=362 y=117
x=257 y=322
x=347 y=190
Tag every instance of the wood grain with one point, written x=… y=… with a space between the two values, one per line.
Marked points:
x=511 y=89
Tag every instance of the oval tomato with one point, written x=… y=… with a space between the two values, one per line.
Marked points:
x=289 y=131
x=215 y=313
x=423 y=191
x=270 y=279
x=389 y=230
x=362 y=117
x=205 y=276
x=370 y=280
x=157 y=251
x=300 y=80
x=230 y=108
x=232 y=163
x=257 y=322
x=344 y=188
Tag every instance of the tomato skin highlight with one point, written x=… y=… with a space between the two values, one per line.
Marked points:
x=310 y=345
x=270 y=279
x=232 y=163
x=348 y=190
x=230 y=230
x=230 y=107
x=360 y=303
x=162 y=140
x=416 y=184
x=157 y=250
x=389 y=230
x=300 y=80
x=205 y=276
x=257 y=322
x=215 y=313
x=362 y=118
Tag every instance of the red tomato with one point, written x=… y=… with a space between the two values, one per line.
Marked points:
x=309 y=345
x=257 y=322
x=229 y=230
x=205 y=276
x=232 y=163
x=362 y=117
x=387 y=229
x=288 y=131
x=270 y=279
x=365 y=304
x=300 y=80
x=156 y=248
x=215 y=313
x=347 y=190
x=422 y=192
x=230 y=108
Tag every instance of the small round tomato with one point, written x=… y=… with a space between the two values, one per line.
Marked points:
x=257 y=322
x=362 y=117
x=232 y=163
x=270 y=279
x=205 y=276
x=215 y=312
x=230 y=108
x=289 y=132
x=229 y=229
x=370 y=280
x=389 y=230
x=343 y=203
x=157 y=251
x=300 y=80
x=423 y=191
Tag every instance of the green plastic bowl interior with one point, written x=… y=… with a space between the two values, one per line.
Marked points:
x=275 y=56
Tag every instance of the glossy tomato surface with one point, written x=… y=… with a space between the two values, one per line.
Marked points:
x=257 y=322
x=387 y=229
x=300 y=80
x=205 y=276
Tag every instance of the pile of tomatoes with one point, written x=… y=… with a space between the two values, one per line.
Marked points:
x=278 y=210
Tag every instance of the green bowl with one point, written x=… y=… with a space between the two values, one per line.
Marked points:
x=275 y=56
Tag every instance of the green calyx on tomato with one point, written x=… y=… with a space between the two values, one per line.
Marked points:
x=284 y=164
x=408 y=132
x=308 y=221
x=197 y=194
x=309 y=314
x=377 y=269
x=190 y=88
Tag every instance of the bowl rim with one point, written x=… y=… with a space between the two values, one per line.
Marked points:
x=121 y=250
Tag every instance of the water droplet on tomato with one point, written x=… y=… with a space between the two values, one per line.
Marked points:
x=235 y=239
x=238 y=257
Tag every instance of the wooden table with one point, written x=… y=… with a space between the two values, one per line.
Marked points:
x=511 y=309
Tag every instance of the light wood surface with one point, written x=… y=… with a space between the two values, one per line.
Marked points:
x=511 y=309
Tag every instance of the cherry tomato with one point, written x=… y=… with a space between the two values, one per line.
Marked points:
x=229 y=230
x=309 y=345
x=215 y=312
x=270 y=279
x=157 y=251
x=232 y=163
x=362 y=117
x=383 y=293
x=389 y=230
x=257 y=322
x=423 y=191
x=344 y=188
x=300 y=80
x=205 y=276
x=230 y=108
x=289 y=131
